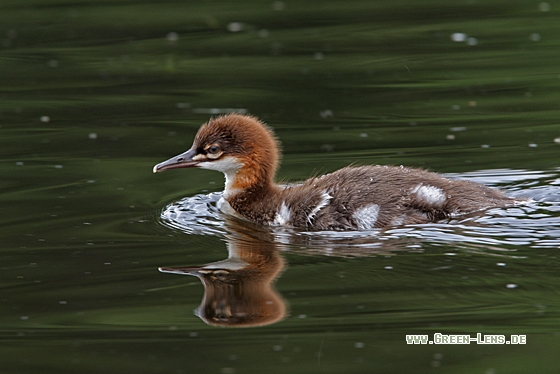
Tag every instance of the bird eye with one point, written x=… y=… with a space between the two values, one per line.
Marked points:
x=214 y=149
x=220 y=274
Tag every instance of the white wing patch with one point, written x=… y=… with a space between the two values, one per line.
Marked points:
x=325 y=198
x=430 y=194
x=366 y=217
x=282 y=216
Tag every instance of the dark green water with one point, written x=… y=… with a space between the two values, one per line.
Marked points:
x=94 y=93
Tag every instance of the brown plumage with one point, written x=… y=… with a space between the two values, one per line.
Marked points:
x=357 y=197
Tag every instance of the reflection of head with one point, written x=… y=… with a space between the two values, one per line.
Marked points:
x=239 y=291
x=240 y=298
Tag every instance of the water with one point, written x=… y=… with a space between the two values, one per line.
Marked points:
x=94 y=94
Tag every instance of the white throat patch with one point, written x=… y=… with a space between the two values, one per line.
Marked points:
x=227 y=165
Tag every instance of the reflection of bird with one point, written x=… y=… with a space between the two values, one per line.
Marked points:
x=239 y=291
x=361 y=197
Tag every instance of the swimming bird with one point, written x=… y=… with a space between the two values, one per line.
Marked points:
x=352 y=198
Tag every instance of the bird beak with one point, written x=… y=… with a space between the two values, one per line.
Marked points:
x=184 y=160
x=181 y=271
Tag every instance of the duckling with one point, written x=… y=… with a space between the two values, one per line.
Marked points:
x=352 y=198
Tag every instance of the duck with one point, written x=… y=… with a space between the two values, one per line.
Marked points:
x=364 y=197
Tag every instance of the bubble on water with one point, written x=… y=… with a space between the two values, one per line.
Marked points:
x=327 y=147
x=511 y=285
x=359 y=345
x=45 y=119
x=327 y=113
x=544 y=7
x=264 y=33
x=472 y=41
x=92 y=135
x=235 y=26
x=533 y=145
x=485 y=146
x=278 y=5
x=172 y=37
x=319 y=56
x=450 y=137
x=557 y=140
x=459 y=37
x=536 y=37
x=52 y=63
